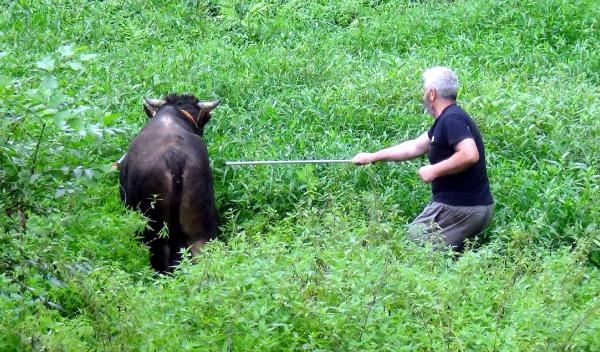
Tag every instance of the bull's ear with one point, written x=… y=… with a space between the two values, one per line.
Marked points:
x=208 y=105
x=154 y=103
x=150 y=111
x=151 y=106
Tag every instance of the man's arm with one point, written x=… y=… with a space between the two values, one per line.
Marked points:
x=466 y=154
x=406 y=150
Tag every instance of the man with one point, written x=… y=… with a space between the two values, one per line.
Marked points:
x=462 y=204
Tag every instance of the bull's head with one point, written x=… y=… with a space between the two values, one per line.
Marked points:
x=200 y=118
x=151 y=106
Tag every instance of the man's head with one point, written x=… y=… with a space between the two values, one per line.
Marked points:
x=440 y=87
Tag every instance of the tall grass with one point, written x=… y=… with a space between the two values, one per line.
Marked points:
x=310 y=257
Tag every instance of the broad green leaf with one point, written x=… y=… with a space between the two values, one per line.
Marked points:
x=66 y=51
x=78 y=172
x=46 y=64
x=48 y=85
x=76 y=124
x=58 y=99
x=49 y=82
x=59 y=192
x=47 y=112
x=109 y=117
x=88 y=57
x=75 y=65
x=96 y=129
x=89 y=173
x=61 y=118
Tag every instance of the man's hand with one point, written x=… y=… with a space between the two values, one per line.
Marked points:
x=428 y=173
x=466 y=155
x=363 y=158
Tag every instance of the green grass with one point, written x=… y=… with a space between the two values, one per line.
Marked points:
x=310 y=257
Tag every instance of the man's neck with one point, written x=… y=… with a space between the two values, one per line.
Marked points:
x=441 y=105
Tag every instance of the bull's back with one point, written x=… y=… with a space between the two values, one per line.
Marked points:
x=144 y=184
x=151 y=163
x=169 y=171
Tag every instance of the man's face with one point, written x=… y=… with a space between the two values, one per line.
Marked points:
x=428 y=97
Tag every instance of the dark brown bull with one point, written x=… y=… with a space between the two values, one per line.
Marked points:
x=166 y=175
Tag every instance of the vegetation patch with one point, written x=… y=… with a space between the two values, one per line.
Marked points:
x=310 y=257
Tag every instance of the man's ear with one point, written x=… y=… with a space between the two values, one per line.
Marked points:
x=432 y=94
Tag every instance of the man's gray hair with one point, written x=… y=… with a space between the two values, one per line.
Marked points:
x=443 y=80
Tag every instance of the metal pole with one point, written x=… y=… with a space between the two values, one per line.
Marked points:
x=271 y=162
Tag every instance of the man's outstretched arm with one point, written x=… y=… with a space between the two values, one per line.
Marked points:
x=406 y=150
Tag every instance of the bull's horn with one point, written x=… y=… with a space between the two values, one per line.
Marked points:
x=155 y=103
x=208 y=105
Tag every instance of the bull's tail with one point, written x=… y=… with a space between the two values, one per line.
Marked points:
x=175 y=162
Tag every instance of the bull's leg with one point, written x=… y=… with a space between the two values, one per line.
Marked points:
x=196 y=246
x=194 y=231
x=176 y=247
x=197 y=228
x=157 y=246
x=197 y=213
x=160 y=253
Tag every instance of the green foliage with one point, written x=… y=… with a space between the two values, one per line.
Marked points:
x=310 y=257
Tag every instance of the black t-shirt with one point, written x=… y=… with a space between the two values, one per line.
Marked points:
x=471 y=186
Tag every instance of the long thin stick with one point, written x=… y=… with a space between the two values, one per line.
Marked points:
x=271 y=162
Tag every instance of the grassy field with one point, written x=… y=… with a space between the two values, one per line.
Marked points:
x=310 y=257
